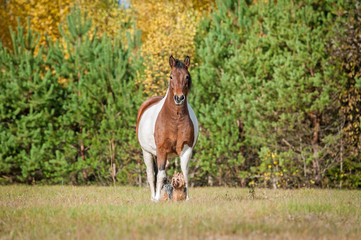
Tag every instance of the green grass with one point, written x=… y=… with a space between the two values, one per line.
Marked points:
x=67 y=212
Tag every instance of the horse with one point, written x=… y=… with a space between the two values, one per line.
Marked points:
x=167 y=127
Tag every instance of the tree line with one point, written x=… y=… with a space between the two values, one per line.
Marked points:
x=276 y=92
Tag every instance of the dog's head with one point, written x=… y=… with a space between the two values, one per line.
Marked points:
x=178 y=181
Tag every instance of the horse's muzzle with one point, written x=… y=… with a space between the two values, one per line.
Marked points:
x=179 y=100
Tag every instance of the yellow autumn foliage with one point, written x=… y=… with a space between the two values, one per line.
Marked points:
x=107 y=17
x=45 y=16
x=168 y=28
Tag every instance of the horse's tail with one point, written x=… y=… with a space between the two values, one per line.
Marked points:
x=155 y=167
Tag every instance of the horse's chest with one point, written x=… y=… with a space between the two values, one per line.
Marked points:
x=171 y=136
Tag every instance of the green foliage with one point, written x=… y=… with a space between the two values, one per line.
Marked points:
x=276 y=92
x=345 y=54
x=79 y=131
x=29 y=102
x=265 y=82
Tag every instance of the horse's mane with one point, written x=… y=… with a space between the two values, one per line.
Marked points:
x=179 y=64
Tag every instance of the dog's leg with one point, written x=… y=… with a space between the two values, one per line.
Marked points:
x=148 y=160
x=185 y=157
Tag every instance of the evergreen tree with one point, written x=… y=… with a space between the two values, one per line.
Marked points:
x=345 y=52
x=68 y=112
x=264 y=69
x=30 y=102
x=99 y=120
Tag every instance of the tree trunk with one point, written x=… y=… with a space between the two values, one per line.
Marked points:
x=315 y=146
x=112 y=159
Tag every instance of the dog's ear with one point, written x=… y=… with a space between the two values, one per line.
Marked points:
x=181 y=174
x=175 y=172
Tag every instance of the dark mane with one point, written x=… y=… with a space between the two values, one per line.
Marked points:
x=179 y=64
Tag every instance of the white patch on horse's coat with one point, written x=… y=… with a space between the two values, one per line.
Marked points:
x=148 y=160
x=160 y=181
x=147 y=126
x=185 y=151
x=185 y=157
x=193 y=117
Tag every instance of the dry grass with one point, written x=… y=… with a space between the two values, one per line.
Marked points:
x=67 y=212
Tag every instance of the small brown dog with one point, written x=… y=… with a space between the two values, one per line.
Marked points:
x=175 y=191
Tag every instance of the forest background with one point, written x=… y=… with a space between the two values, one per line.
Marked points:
x=276 y=89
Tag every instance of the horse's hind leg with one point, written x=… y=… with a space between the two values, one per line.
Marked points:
x=185 y=157
x=148 y=160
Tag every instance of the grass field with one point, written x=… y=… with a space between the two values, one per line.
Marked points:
x=67 y=212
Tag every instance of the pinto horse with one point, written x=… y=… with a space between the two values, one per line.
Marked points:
x=167 y=127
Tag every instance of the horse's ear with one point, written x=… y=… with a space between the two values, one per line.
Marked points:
x=171 y=61
x=187 y=61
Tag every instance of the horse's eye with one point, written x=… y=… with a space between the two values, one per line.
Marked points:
x=187 y=80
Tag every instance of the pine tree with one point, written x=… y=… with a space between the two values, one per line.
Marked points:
x=68 y=112
x=345 y=54
x=99 y=121
x=264 y=69
x=221 y=126
x=30 y=101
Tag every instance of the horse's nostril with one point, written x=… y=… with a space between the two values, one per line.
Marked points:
x=178 y=99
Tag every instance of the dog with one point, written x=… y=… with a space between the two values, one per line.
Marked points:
x=175 y=191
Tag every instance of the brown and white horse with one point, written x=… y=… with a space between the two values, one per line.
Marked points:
x=167 y=127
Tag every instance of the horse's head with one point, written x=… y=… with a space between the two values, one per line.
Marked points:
x=180 y=80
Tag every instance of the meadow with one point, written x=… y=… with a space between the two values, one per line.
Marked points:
x=93 y=212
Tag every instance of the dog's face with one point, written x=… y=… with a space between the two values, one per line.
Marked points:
x=178 y=181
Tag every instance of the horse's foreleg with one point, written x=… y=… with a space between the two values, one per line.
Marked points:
x=161 y=160
x=148 y=160
x=185 y=157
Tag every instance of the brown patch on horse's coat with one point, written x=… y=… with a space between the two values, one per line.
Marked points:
x=173 y=129
x=145 y=105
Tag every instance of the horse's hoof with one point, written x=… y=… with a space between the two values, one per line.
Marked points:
x=155 y=200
